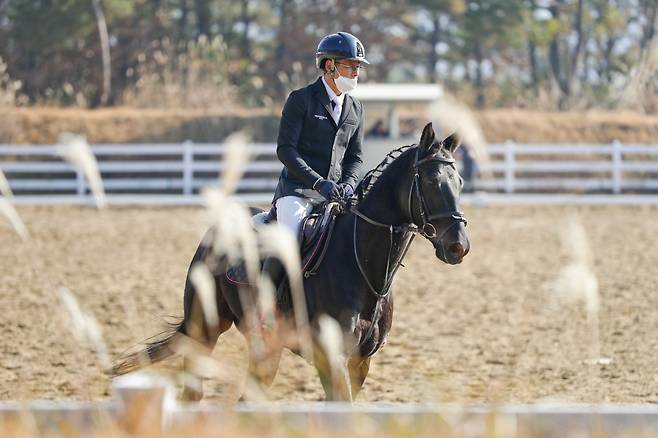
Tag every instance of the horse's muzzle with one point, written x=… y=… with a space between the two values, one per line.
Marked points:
x=452 y=253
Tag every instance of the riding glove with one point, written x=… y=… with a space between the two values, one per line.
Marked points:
x=328 y=189
x=347 y=190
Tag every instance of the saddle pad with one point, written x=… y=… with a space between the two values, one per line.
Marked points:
x=315 y=235
x=238 y=274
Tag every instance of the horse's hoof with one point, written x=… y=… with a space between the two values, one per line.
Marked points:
x=191 y=396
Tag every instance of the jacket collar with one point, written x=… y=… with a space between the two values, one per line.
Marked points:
x=321 y=93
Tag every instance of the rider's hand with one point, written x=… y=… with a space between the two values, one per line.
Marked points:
x=328 y=189
x=347 y=190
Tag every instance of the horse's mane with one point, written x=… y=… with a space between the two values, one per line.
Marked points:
x=368 y=182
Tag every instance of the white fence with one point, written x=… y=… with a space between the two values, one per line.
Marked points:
x=148 y=172
x=66 y=418
x=582 y=168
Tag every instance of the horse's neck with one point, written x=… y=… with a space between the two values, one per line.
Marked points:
x=381 y=246
x=387 y=201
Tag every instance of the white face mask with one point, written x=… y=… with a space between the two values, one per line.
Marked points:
x=344 y=84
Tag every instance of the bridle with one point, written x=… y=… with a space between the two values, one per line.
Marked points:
x=426 y=229
x=426 y=217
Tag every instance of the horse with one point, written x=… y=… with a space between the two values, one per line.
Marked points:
x=415 y=190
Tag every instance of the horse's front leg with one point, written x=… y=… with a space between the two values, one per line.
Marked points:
x=334 y=376
x=358 y=368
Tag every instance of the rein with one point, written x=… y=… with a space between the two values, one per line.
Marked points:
x=426 y=229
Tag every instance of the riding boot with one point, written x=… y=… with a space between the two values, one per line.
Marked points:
x=273 y=268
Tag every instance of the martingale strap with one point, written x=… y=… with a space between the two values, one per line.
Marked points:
x=389 y=274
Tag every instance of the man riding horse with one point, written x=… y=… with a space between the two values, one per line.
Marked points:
x=320 y=138
x=413 y=191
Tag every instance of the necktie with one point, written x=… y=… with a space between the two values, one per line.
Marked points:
x=336 y=110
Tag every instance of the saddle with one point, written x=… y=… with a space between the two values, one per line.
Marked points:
x=314 y=237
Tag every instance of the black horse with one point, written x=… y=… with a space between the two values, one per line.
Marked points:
x=415 y=190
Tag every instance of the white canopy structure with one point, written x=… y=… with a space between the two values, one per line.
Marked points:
x=394 y=95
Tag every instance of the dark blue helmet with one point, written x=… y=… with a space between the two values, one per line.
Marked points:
x=341 y=45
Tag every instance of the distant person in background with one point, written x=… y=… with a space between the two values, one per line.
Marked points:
x=320 y=137
x=377 y=129
x=469 y=168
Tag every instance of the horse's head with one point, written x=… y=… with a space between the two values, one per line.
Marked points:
x=434 y=198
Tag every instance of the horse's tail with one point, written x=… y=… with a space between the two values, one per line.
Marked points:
x=154 y=351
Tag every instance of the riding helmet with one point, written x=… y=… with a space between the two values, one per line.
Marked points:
x=341 y=45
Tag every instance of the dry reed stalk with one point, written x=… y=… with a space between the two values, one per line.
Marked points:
x=205 y=366
x=234 y=239
x=5 y=188
x=76 y=323
x=204 y=285
x=452 y=116
x=576 y=282
x=85 y=328
x=278 y=241
x=266 y=301
x=235 y=160
x=75 y=149
x=331 y=341
x=10 y=213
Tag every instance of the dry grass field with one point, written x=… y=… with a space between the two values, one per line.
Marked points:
x=488 y=330
x=132 y=125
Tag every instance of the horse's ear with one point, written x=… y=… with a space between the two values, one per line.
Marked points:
x=452 y=142
x=426 y=139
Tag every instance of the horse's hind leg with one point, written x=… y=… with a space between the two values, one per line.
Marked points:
x=204 y=333
x=358 y=368
x=192 y=382
x=264 y=358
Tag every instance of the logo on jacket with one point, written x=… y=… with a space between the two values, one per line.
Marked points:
x=320 y=117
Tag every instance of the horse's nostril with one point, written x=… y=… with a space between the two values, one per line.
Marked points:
x=456 y=249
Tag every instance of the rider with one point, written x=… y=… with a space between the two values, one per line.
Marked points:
x=320 y=137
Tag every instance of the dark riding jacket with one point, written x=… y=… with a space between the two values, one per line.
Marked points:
x=312 y=146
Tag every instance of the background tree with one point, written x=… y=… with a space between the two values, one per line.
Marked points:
x=487 y=28
x=433 y=26
x=212 y=53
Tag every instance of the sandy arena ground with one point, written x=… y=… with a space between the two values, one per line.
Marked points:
x=487 y=330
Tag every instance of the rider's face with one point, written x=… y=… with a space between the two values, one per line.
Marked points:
x=349 y=68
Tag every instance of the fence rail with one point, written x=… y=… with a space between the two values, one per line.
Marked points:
x=144 y=171
x=148 y=418
x=584 y=168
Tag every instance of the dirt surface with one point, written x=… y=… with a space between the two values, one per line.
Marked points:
x=487 y=330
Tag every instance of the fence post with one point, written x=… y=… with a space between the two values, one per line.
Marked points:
x=144 y=403
x=81 y=186
x=188 y=171
x=509 y=166
x=616 y=167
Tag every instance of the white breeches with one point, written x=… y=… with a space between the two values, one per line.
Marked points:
x=291 y=211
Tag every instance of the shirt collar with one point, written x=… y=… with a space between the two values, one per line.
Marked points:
x=332 y=95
